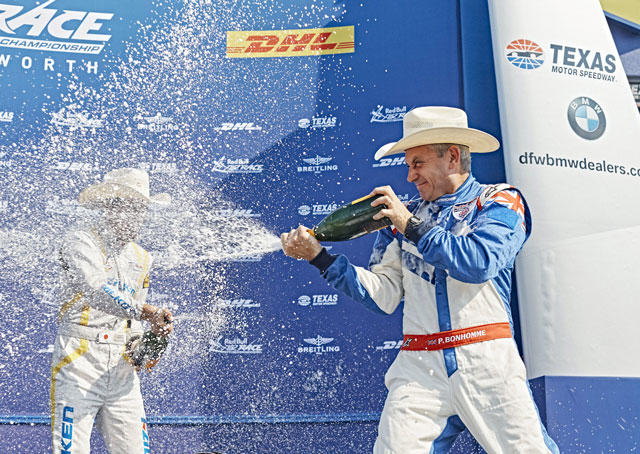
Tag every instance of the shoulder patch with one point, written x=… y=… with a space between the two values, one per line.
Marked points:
x=461 y=210
x=505 y=215
x=511 y=200
x=506 y=197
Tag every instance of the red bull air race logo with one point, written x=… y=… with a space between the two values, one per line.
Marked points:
x=51 y=30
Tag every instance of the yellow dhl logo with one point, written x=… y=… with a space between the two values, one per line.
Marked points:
x=290 y=43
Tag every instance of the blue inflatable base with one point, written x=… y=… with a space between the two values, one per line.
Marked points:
x=590 y=414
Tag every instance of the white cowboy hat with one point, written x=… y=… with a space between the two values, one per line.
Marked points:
x=433 y=125
x=123 y=184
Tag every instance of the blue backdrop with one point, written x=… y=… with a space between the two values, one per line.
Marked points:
x=305 y=131
x=266 y=357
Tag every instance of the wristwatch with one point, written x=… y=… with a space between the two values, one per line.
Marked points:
x=414 y=222
x=413 y=228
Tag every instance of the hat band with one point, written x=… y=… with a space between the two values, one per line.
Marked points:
x=407 y=131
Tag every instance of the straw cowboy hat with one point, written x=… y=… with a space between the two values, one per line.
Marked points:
x=433 y=125
x=123 y=184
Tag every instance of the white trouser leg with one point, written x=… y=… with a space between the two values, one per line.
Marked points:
x=72 y=426
x=493 y=400
x=75 y=395
x=413 y=417
x=122 y=420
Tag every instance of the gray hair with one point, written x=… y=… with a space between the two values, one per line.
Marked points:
x=465 y=154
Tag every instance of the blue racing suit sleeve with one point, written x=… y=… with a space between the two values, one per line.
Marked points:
x=497 y=235
x=379 y=289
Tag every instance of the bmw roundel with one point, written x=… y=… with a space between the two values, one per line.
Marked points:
x=586 y=118
x=524 y=54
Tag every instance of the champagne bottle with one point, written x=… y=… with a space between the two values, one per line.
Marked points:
x=351 y=221
x=147 y=349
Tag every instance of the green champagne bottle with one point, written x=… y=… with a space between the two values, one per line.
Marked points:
x=148 y=348
x=351 y=221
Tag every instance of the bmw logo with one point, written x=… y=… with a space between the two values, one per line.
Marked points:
x=586 y=118
x=524 y=54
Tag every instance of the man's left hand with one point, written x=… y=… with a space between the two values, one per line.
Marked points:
x=396 y=210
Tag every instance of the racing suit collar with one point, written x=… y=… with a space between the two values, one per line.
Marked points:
x=462 y=194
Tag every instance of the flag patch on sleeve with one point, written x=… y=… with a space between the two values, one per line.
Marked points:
x=514 y=208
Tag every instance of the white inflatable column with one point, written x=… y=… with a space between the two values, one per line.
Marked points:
x=571 y=139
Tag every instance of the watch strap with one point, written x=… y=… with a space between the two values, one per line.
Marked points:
x=415 y=230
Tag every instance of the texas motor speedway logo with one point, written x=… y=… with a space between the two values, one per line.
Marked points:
x=318 y=122
x=567 y=59
x=525 y=54
x=330 y=299
x=317 y=209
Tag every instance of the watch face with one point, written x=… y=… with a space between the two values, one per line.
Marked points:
x=415 y=221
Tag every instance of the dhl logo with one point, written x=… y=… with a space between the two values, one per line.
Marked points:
x=290 y=43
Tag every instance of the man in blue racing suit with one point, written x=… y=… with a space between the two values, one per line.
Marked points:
x=450 y=257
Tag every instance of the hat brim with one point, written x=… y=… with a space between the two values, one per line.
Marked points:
x=477 y=141
x=104 y=191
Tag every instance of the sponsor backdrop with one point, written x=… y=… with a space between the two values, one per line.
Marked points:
x=573 y=149
x=256 y=118
x=260 y=117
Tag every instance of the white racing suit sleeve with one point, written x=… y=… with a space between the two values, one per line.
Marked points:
x=378 y=289
x=83 y=261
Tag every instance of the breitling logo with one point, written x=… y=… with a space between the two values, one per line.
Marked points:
x=319 y=344
x=317 y=165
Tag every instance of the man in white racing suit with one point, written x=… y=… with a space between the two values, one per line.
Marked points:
x=450 y=257
x=105 y=280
